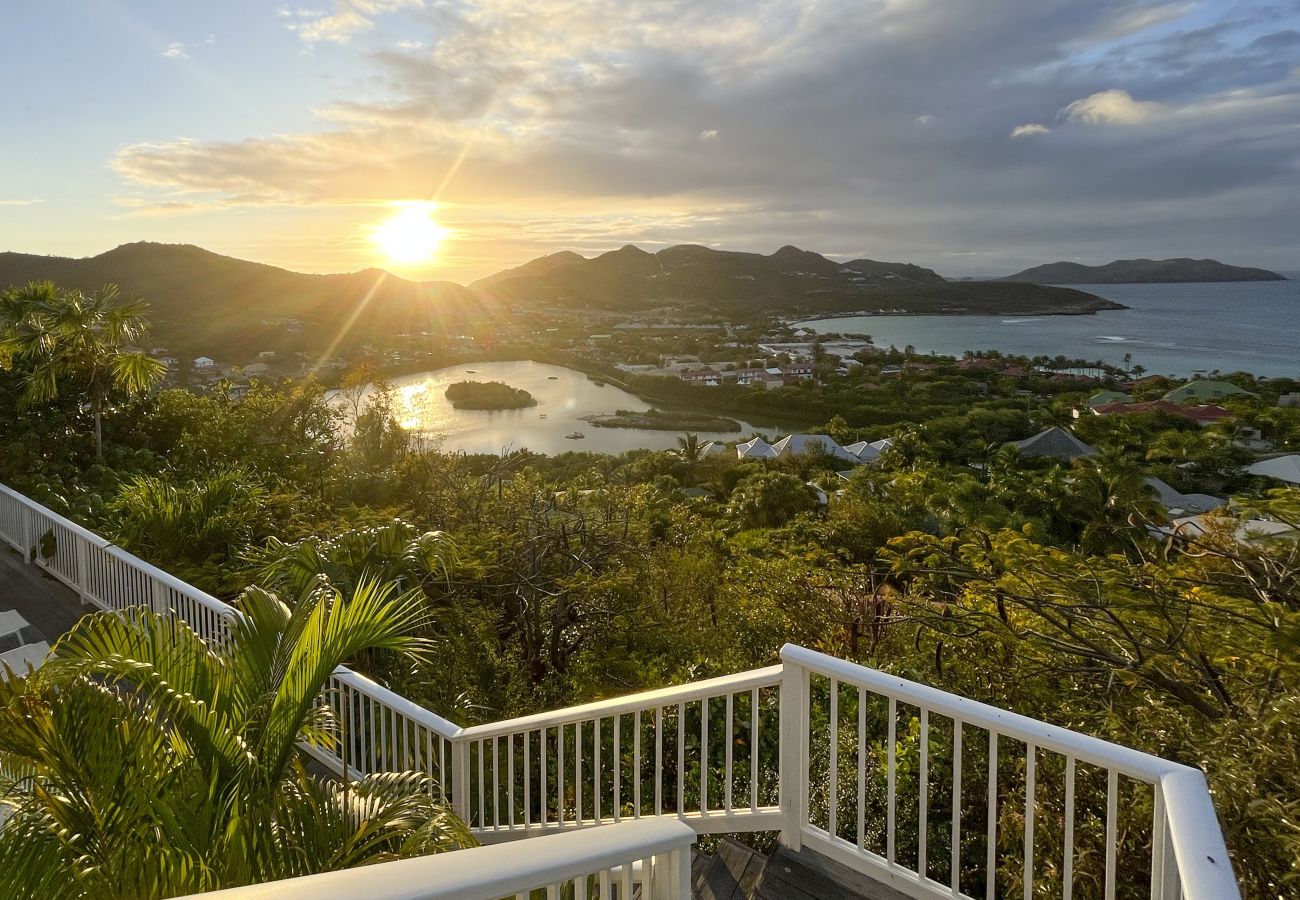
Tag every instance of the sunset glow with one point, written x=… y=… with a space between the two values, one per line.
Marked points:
x=410 y=236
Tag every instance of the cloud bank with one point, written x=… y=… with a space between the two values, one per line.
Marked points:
x=853 y=126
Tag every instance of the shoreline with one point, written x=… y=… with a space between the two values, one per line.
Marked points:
x=877 y=314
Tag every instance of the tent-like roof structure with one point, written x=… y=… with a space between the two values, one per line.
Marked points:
x=868 y=452
x=812 y=443
x=1203 y=390
x=1054 y=442
x=713 y=448
x=1283 y=468
x=757 y=448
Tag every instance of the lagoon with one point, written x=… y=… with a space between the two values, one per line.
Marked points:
x=563 y=397
x=1170 y=329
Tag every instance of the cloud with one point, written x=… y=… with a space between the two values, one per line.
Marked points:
x=175 y=50
x=349 y=18
x=1144 y=17
x=1112 y=107
x=560 y=112
x=19 y=202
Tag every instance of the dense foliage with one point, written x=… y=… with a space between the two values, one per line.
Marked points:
x=488 y=395
x=1032 y=585
x=142 y=761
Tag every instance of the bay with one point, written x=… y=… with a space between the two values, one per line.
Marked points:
x=1170 y=329
x=563 y=397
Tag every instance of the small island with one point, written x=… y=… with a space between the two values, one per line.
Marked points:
x=488 y=395
x=663 y=420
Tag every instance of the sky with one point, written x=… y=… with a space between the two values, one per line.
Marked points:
x=975 y=138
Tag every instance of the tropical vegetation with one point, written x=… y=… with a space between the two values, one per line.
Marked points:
x=142 y=761
x=1035 y=585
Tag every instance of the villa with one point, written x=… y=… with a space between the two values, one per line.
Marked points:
x=1056 y=443
x=1179 y=504
x=1205 y=390
x=1204 y=414
x=1282 y=468
x=755 y=448
x=868 y=452
x=796 y=444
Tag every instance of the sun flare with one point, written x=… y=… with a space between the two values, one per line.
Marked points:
x=411 y=235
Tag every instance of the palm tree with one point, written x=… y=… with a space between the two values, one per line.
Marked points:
x=689 y=448
x=690 y=451
x=141 y=761
x=69 y=339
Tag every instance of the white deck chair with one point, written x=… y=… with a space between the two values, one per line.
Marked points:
x=11 y=622
x=24 y=659
x=16 y=631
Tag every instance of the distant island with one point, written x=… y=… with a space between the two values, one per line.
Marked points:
x=488 y=395
x=1142 y=271
x=663 y=420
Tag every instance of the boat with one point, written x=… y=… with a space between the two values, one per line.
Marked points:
x=472 y=371
x=552 y=377
x=576 y=436
x=542 y=416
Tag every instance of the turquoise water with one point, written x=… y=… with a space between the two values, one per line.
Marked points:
x=1171 y=329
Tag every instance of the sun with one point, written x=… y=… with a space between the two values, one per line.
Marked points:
x=411 y=235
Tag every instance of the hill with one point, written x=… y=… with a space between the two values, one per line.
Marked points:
x=790 y=281
x=207 y=302
x=1140 y=271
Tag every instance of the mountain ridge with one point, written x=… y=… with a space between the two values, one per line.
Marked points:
x=1179 y=270
x=206 y=301
x=789 y=281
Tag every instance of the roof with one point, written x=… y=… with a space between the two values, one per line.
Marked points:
x=1054 y=442
x=1173 y=500
x=1203 y=389
x=811 y=443
x=868 y=452
x=1283 y=468
x=757 y=448
x=1203 y=414
x=1246 y=532
x=1104 y=397
x=713 y=448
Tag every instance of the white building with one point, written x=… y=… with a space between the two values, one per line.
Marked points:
x=756 y=448
x=812 y=443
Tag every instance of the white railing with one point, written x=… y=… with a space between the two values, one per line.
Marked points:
x=386 y=728
x=889 y=760
x=630 y=757
x=649 y=860
x=931 y=793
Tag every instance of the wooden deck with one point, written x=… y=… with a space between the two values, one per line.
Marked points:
x=42 y=600
x=738 y=872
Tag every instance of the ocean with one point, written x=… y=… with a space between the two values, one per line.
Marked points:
x=1170 y=329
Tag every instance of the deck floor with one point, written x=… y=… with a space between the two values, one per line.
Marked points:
x=41 y=599
x=738 y=872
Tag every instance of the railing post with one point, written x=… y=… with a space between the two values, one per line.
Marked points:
x=158 y=597
x=682 y=872
x=460 y=779
x=83 y=566
x=30 y=555
x=794 y=753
